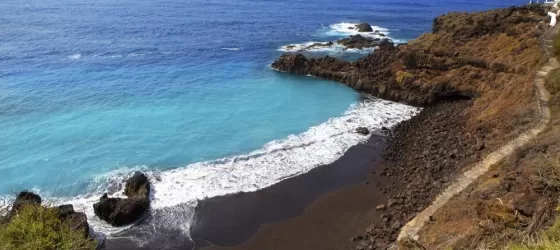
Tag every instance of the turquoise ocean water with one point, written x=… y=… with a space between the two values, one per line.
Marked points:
x=91 y=91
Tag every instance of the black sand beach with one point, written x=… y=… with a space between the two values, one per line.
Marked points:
x=234 y=219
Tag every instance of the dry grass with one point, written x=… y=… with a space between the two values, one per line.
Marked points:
x=483 y=216
x=402 y=76
x=547 y=240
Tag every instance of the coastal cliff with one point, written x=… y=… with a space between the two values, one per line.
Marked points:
x=465 y=56
x=473 y=72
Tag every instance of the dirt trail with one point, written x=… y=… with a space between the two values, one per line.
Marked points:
x=413 y=227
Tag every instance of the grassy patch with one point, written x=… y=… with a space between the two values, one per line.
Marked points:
x=402 y=76
x=39 y=228
x=548 y=240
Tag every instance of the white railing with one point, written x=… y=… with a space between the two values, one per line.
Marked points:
x=548 y=2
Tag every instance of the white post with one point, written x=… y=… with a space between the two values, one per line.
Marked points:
x=553 y=18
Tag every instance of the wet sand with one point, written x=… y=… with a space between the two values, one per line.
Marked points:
x=321 y=209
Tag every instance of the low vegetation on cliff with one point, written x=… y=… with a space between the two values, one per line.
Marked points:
x=514 y=205
x=39 y=227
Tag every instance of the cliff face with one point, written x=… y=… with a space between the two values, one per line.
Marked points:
x=465 y=56
x=488 y=57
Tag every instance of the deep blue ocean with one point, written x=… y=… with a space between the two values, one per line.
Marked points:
x=91 y=91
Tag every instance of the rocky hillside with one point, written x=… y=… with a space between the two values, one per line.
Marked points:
x=473 y=72
x=466 y=55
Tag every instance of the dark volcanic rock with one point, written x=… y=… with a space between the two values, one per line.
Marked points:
x=124 y=211
x=417 y=73
x=364 y=27
x=76 y=220
x=359 y=42
x=362 y=131
x=119 y=211
x=25 y=198
x=138 y=186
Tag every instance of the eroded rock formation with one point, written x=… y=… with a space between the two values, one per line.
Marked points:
x=124 y=211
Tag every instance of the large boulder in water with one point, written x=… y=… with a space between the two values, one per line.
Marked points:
x=362 y=131
x=364 y=27
x=119 y=211
x=138 y=186
x=124 y=211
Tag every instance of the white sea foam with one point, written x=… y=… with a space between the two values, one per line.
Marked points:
x=75 y=56
x=277 y=160
x=339 y=30
x=335 y=48
x=231 y=49
x=308 y=46
x=347 y=29
x=176 y=192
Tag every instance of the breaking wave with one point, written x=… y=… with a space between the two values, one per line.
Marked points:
x=176 y=192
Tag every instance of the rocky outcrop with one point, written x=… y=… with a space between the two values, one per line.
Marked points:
x=138 y=186
x=25 y=198
x=76 y=220
x=362 y=131
x=364 y=27
x=464 y=57
x=124 y=211
x=361 y=42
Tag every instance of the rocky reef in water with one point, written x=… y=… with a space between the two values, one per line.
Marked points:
x=359 y=42
x=450 y=62
x=473 y=73
x=367 y=38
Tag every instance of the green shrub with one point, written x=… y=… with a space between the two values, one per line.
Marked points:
x=39 y=228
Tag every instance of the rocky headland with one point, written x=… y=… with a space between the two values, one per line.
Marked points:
x=473 y=74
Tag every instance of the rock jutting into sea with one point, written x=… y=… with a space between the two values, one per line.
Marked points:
x=124 y=211
x=417 y=73
x=364 y=27
x=359 y=42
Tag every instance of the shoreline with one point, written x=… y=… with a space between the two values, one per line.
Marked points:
x=246 y=214
x=348 y=216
